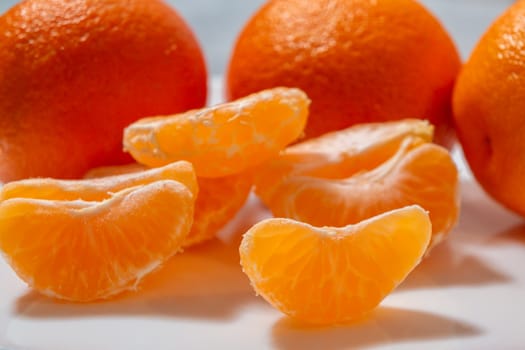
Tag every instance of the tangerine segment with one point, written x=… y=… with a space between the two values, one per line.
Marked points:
x=224 y=139
x=83 y=251
x=330 y=275
x=345 y=152
x=424 y=175
x=100 y=188
x=218 y=201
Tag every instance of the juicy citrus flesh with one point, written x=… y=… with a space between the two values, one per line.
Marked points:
x=359 y=61
x=219 y=200
x=488 y=109
x=74 y=73
x=87 y=250
x=225 y=139
x=101 y=188
x=217 y=203
x=345 y=152
x=331 y=275
x=414 y=172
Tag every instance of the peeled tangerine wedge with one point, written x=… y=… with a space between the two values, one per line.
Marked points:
x=329 y=275
x=218 y=201
x=102 y=188
x=225 y=139
x=350 y=175
x=87 y=250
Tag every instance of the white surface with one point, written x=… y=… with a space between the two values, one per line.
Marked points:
x=467 y=295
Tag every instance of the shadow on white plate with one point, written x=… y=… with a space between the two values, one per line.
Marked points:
x=448 y=266
x=457 y=261
x=385 y=325
x=481 y=217
x=513 y=235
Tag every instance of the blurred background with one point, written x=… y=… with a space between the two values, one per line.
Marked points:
x=216 y=23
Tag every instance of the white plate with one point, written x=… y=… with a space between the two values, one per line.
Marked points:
x=469 y=294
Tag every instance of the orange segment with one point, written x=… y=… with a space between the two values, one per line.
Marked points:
x=102 y=188
x=83 y=251
x=345 y=152
x=225 y=139
x=218 y=201
x=333 y=275
x=331 y=181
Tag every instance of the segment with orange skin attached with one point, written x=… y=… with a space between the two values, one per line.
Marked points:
x=422 y=174
x=99 y=189
x=88 y=250
x=225 y=139
x=218 y=201
x=333 y=275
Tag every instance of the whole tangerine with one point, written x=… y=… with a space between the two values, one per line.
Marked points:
x=358 y=60
x=489 y=100
x=74 y=73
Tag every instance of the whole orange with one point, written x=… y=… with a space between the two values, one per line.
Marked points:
x=358 y=60
x=74 y=73
x=489 y=109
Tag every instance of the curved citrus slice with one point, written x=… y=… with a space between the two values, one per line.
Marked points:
x=225 y=139
x=327 y=186
x=88 y=250
x=102 y=188
x=333 y=275
x=342 y=153
x=218 y=201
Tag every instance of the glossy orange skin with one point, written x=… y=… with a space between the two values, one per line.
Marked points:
x=74 y=73
x=489 y=105
x=358 y=60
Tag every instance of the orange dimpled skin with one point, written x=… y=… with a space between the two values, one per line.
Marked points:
x=88 y=250
x=489 y=105
x=328 y=275
x=330 y=181
x=74 y=73
x=358 y=60
x=225 y=139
